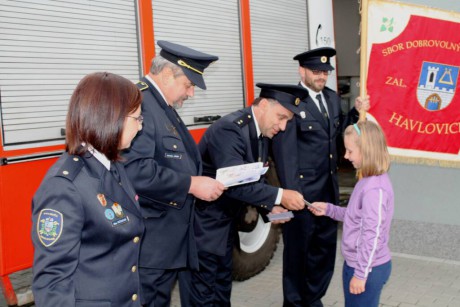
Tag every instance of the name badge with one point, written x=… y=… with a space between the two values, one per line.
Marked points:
x=169 y=155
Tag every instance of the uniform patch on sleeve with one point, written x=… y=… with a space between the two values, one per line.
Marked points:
x=49 y=226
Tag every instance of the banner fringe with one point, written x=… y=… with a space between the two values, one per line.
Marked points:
x=425 y=161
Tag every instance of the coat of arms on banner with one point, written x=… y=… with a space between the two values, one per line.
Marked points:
x=436 y=86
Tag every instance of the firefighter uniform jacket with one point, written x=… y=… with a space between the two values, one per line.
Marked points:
x=86 y=232
x=160 y=163
x=230 y=141
x=306 y=152
x=305 y=155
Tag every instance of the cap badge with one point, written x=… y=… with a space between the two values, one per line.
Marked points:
x=183 y=64
x=323 y=59
x=297 y=101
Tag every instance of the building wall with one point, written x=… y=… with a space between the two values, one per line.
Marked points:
x=347 y=39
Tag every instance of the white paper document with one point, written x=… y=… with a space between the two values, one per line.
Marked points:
x=240 y=174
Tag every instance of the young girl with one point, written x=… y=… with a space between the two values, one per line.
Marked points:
x=367 y=218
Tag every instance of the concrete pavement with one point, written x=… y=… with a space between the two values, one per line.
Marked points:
x=415 y=282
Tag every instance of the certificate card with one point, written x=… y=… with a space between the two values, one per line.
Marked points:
x=240 y=174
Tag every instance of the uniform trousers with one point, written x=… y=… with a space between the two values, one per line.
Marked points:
x=157 y=286
x=212 y=284
x=310 y=244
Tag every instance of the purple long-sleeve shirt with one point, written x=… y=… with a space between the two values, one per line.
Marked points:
x=366 y=224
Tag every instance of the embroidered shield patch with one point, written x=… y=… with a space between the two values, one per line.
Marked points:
x=49 y=226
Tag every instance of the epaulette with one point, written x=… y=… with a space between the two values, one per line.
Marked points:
x=243 y=120
x=71 y=168
x=141 y=85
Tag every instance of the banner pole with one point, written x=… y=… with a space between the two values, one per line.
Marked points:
x=363 y=56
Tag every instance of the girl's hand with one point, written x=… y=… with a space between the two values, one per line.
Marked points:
x=357 y=286
x=318 y=208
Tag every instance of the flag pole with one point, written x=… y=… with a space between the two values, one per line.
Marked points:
x=363 y=56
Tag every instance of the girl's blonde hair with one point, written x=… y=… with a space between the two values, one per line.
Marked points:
x=371 y=141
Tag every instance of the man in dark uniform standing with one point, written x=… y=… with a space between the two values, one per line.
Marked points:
x=239 y=138
x=165 y=168
x=306 y=160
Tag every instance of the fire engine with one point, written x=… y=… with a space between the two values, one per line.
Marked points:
x=47 y=46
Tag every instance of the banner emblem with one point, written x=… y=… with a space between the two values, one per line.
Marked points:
x=437 y=85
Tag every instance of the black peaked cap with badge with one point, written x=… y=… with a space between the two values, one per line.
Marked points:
x=316 y=59
x=289 y=96
x=191 y=61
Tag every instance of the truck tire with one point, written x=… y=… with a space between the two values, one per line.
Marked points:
x=257 y=240
x=255 y=250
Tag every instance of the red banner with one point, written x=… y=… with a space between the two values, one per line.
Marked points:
x=413 y=81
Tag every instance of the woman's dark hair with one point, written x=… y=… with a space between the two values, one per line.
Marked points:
x=97 y=112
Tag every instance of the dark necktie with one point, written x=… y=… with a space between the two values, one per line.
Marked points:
x=114 y=172
x=261 y=142
x=322 y=108
x=174 y=114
